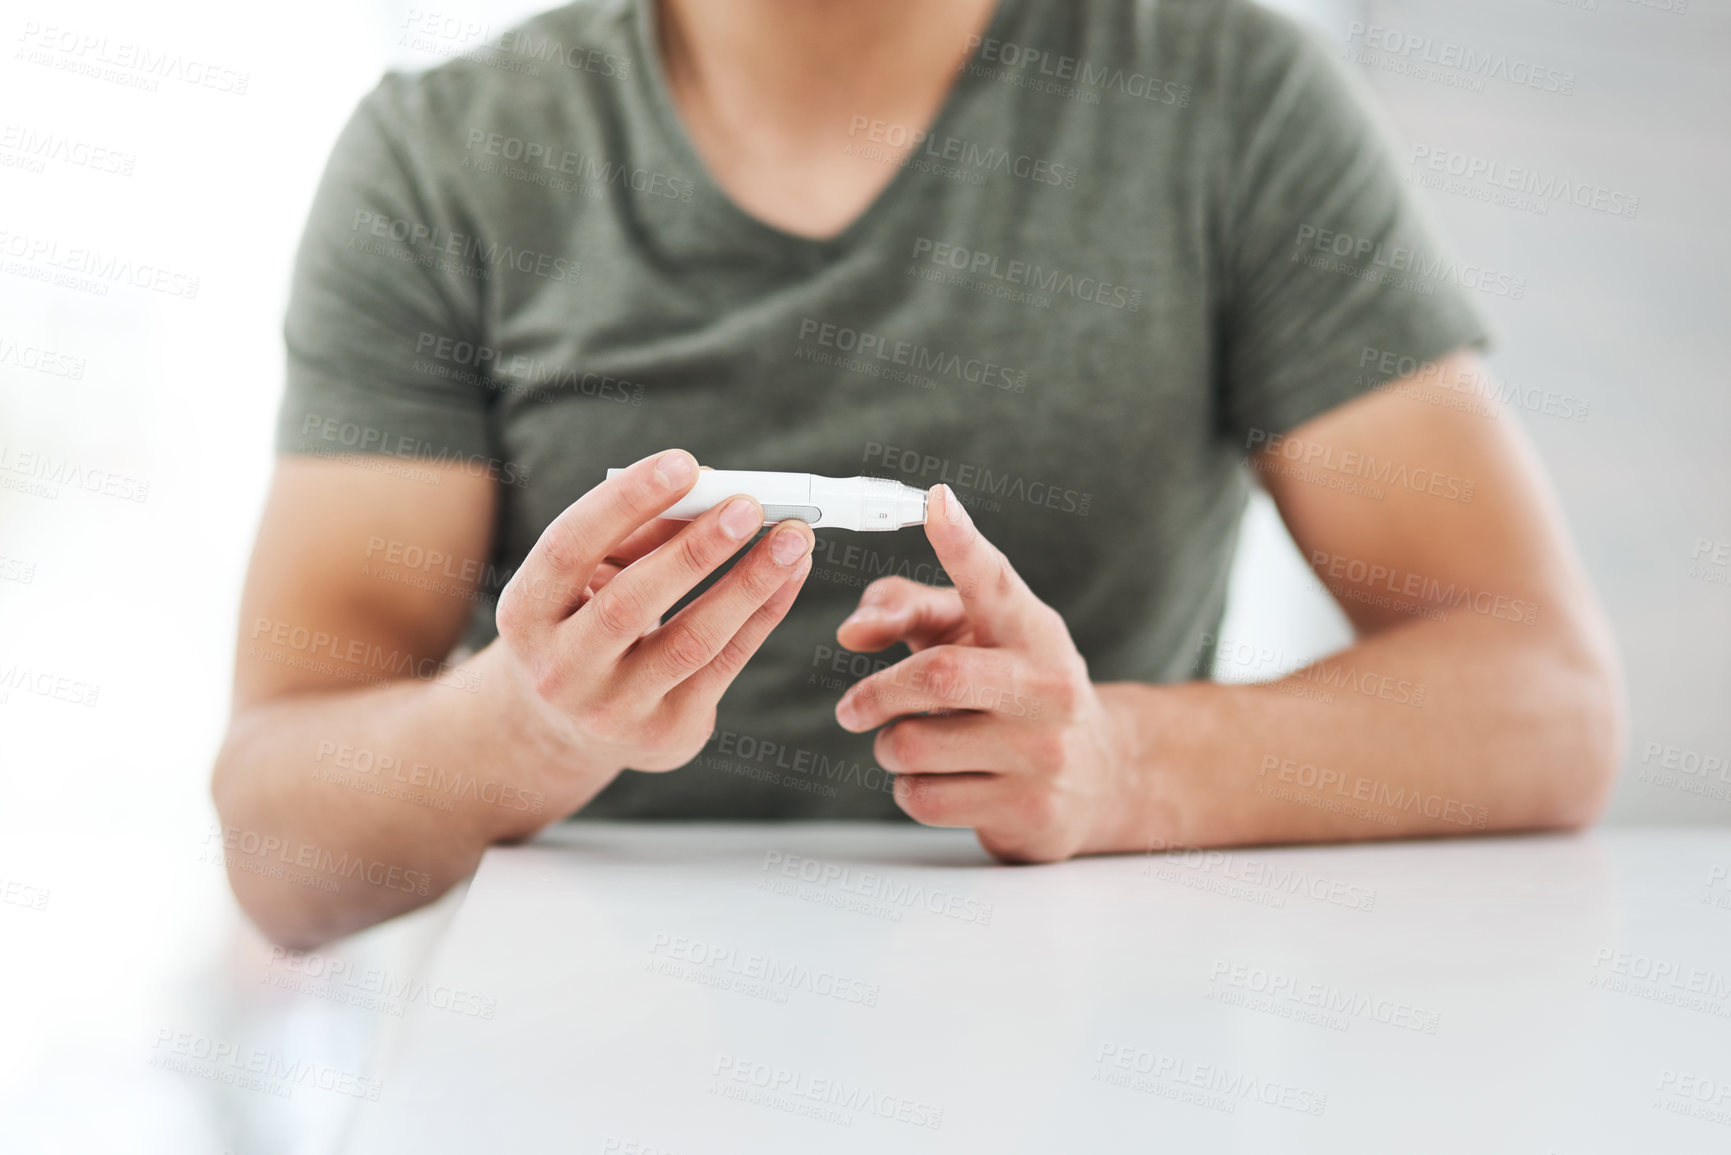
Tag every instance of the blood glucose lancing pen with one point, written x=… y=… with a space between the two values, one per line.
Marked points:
x=821 y=502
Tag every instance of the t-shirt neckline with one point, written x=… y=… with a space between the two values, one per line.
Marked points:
x=652 y=79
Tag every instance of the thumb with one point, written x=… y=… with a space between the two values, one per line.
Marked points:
x=993 y=595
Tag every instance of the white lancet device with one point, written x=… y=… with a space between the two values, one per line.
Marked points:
x=821 y=502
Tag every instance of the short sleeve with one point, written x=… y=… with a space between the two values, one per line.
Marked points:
x=375 y=307
x=1331 y=279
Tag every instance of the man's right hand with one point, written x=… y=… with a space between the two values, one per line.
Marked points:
x=347 y=746
x=580 y=622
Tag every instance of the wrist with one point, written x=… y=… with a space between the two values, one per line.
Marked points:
x=542 y=748
x=1143 y=806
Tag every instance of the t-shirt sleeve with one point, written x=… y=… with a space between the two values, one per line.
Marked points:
x=372 y=306
x=1332 y=283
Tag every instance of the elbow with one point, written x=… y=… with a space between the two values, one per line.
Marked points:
x=287 y=933
x=286 y=921
x=1592 y=732
x=230 y=784
x=283 y=860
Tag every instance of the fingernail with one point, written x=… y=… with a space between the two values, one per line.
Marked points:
x=787 y=547
x=844 y=713
x=953 y=511
x=863 y=614
x=739 y=519
x=675 y=469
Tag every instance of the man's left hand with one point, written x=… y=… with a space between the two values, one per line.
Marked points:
x=992 y=722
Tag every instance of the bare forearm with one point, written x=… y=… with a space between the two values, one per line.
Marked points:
x=342 y=809
x=1425 y=729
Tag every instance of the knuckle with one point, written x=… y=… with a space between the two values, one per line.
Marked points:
x=898 y=747
x=1003 y=576
x=887 y=698
x=691 y=553
x=759 y=581
x=702 y=718
x=1063 y=696
x=883 y=591
x=997 y=845
x=693 y=727
x=677 y=740
x=616 y=612
x=1033 y=852
x=510 y=615
x=562 y=546
x=608 y=720
x=943 y=671
x=1045 y=749
x=866 y=698
x=1059 y=690
x=686 y=645
x=597 y=722
x=731 y=659
x=870 y=689
x=548 y=679
x=917 y=799
x=1038 y=809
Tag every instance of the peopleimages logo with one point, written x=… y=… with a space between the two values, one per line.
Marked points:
x=370 y=988
x=1218 y=1088
x=518 y=373
x=1360 y=788
x=34 y=149
x=46 y=684
x=914 y=355
x=1326 y=997
x=954 y=150
x=1070 y=70
x=877 y=887
x=430 y=243
x=1413 y=49
x=1055 y=282
x=1402 y=373
x=452 y=34
x=801 y=1090
x=1352 y=574
x=1383 y=258
x=1541 y=186
x=929 y=469
x=1267 y=446
x=760 y=973
x=54 y=472
x=363 y=439
x=761 y=757
x=548 y=159
x=255 y=1068
x=92 y=269
x=40 y=360
x=306 y=856
x=140 y=66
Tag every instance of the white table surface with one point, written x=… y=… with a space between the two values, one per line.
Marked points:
x=1469 y=996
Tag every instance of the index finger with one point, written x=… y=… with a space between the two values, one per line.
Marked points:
x=563 y=559
x=999 y=604
x=639 y=545
x=895 y=609
x=645 y=540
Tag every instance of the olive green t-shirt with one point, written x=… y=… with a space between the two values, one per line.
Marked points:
x=1139 y=237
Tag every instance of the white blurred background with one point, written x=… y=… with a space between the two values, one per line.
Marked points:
x=119 y=926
